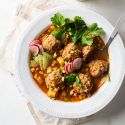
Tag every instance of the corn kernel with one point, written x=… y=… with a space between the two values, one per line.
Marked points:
x=62 y=78
x=35 y=76
x=32 y=69
x=40 y=72
x=61 y=61
x=45 y=75
x=37 y=69
x=61 y=68
x=55 y=68
x=61 y=51
x=54 y=55
x=49 y=69
x=54 y=63
x=52 y=27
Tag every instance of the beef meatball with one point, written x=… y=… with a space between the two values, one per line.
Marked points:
x=54 y=79
x=71 y=51
x=54 y=82
x=87 y=50
x=98 y=67
x=50 y=43
x=84 y=87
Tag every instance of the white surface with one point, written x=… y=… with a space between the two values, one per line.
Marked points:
x=13 y=110
x=105 y=93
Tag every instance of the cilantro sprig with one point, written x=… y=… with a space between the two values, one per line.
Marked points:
x=73 y=78
x=77 y=28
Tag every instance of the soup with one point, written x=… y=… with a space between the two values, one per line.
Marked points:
x=66 y=60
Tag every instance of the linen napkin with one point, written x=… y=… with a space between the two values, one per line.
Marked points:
x=24 y=14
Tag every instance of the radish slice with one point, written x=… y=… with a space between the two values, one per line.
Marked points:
x=34 y=42
x=66 y=68
x=40 y=47
x=70 y=69
x=34 y=50
x=77 y=63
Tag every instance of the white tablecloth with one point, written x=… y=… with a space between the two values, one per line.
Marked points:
x=13 y=110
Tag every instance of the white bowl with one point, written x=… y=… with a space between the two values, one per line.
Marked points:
x=67 y=109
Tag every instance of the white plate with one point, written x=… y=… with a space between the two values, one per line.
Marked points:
x=66 y=109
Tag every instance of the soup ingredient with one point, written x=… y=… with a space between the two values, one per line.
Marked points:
x=77 y=63
x=35 y=47
x=87 y=50
x=76 y=28
x=92 y=31
x=54 y=79
x=98 y=67
x=69 y=79
x=54 y=82
x=82 y=85
x=58 y=20
x=74 y=65
x=52 y=92
x=68 y=68
x=60 y=60
x=71 y=51
x=34 y=50
x=78 y=82
x=40 y=47
x=50 y=43
x=58 y=34
x=80 y=33
x=44 y=60
x=34 y=42
x=33 y=63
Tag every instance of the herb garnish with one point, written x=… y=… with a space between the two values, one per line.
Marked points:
x=78 y=30
x=69 y=79
x=73 y=78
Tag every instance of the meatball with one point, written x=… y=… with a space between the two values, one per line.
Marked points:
x=87 y=50
x=54 y=82
x=98 y=67
x=54 y=79
x=50 y=43
x=71 y=51
x=85 y=87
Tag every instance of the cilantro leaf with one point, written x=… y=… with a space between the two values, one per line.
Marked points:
x=79 y=32
x=70 y=79
x=86 y=40
x=92 y=31
x=58 y=33
x=77 y=29
x=78 y=82
x=95 y=30
x=92 y=26
x=58 y=19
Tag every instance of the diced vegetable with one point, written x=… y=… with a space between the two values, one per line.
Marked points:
x=61 y=61
x=33 y=63
x=51 y=92
x=49 y=69
x=44 y=60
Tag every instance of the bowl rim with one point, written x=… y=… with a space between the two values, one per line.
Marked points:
x=18 y=73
